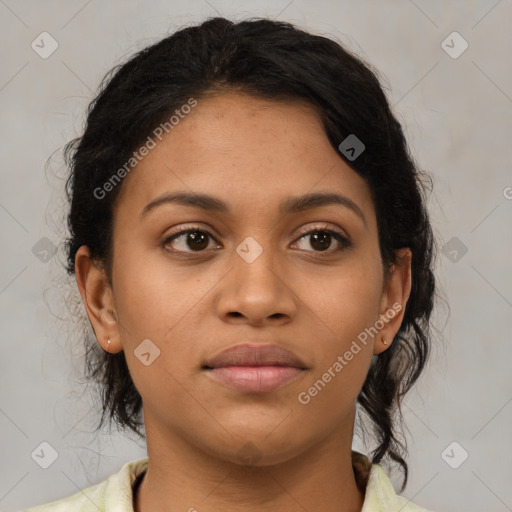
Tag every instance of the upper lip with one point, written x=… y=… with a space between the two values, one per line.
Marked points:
x=248 y=354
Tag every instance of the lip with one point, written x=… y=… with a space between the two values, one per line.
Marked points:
x=251 y=368
x=249 y=354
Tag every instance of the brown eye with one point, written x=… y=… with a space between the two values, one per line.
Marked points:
x=190 y=240
x=321 y=239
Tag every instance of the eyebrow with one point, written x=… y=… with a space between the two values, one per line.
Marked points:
x=288 y=206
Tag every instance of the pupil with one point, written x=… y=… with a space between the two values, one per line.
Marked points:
x=198 y=240
x=316 y=237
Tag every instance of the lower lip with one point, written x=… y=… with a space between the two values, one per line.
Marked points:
x=255 y=379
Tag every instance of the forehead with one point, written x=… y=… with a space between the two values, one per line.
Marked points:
x=249 y=151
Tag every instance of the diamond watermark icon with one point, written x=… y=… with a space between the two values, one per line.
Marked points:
x=249 y=454
x=44 y=45
x=146 y=352
x=454 y=45
x=249 y=249
x=44 y=249
x=454 y=455
x=454 y=249
x=351 y=147
x=44 y=455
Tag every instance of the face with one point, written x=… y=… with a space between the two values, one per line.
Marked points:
x=195 y=281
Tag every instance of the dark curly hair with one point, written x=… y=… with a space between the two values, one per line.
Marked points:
x=273 y=60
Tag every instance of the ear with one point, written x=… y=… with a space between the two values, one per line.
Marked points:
x=98 y=300
x=395 y=294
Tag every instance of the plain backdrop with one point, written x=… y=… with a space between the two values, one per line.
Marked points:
x=455 y=103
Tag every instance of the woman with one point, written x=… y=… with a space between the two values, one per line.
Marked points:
x=251 y=243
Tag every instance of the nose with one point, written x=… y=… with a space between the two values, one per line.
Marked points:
x=257 y=292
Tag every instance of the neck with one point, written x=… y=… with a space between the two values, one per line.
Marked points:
x=182 y=477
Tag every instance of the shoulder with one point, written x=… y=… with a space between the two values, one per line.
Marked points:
x=381 y=497
x=114 y=493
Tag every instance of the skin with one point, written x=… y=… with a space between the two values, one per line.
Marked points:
x=251 y=153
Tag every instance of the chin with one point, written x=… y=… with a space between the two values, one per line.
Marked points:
x=260 y=451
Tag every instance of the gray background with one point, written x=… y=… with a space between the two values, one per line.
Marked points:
x=456 y=113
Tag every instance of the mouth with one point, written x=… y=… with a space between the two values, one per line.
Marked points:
x=255 y=368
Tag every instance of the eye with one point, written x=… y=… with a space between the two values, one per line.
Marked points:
x=193 y=238
x=321 y=238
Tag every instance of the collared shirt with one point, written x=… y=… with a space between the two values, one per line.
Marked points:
x=115 y=494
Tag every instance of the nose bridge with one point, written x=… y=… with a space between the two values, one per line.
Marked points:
x=257 y=288
x=255 y=265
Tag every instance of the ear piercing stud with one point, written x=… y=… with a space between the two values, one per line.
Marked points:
x=384 y=341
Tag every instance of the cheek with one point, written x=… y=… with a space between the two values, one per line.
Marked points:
x=329 y=399
x=154 y=304
x=151 y=294
x=160 y=302
x=345 y=308
x=343 y=302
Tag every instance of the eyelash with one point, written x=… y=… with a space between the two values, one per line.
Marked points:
x=338 y=236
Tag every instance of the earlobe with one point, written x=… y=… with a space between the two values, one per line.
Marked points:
x=98 y=300
x=395 y=295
